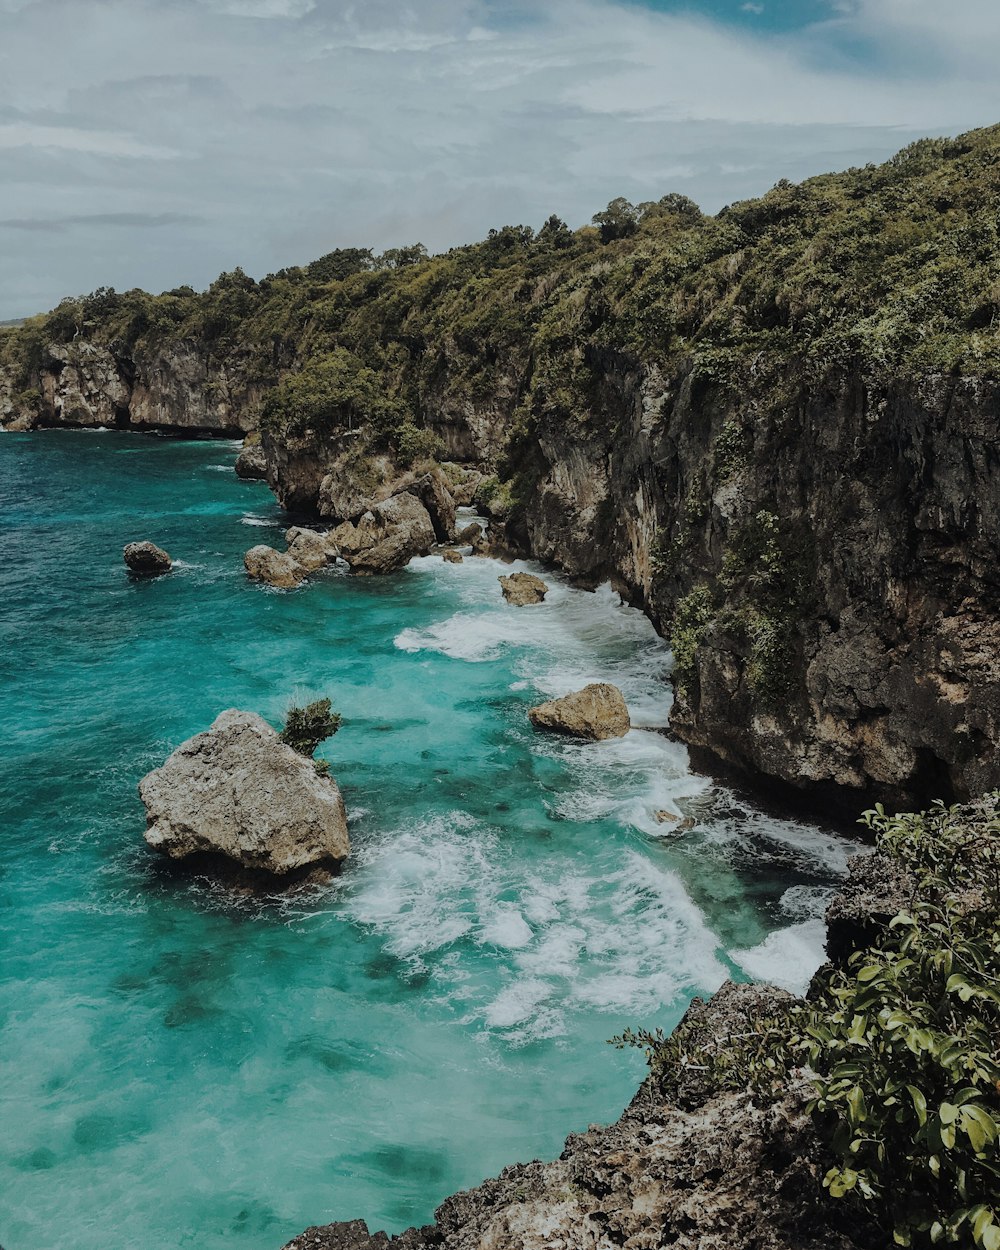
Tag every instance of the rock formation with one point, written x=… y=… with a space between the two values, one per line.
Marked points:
x=251 y=463
x=523 y=589
x=452 y=556
x=596 y=712
x=387 y=537
x=147 y=559
x=182 y=386
x=277 y=568
x=237 y=798
x=309 y=549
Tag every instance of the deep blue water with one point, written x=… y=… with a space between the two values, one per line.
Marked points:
x=179 y=1069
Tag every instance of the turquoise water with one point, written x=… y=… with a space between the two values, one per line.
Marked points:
x=178 y=1069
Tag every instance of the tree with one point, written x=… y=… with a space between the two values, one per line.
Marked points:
x=618 y=221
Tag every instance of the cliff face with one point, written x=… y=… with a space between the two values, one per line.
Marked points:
x=180 y=387
x=822 y=560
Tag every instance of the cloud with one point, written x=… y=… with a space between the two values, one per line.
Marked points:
x=143 y=221
x=750 y=7
x=161 y=141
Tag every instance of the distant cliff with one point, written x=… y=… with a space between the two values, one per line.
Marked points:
x=774 y=429
x=180 y=388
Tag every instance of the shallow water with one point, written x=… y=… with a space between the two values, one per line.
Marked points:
x=177 y=1069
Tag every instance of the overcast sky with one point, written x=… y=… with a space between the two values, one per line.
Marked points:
x=157 y=142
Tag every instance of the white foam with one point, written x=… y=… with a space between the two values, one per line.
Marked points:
x=263 y=522
x=788 y=957
x=507 y=928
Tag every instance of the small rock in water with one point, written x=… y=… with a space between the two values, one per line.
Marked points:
x=146 y=558
x=277 y=568
x=523 y=589
x=596 y=712
x=237 y=800
x=453 y=557
x=663 y=817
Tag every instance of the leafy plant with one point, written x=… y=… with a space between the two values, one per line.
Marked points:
x=306 y=727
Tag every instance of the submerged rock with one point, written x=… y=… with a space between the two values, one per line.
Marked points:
x=146 y=558
x=236 y=797
x=251 y=464
x=452 y=556
x=277 y=568
x=522 y=589
x=596 y=712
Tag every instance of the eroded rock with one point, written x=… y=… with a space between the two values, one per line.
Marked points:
x=237 y=798
x=147 y=559
x=387 y=537
x=308 y=548
x=251 y=464
x=522 y=589
x=276 y=568
x=452 y=556
x=596 y=712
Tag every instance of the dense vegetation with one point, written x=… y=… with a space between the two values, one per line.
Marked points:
x=884 y=268
x=902 y=1046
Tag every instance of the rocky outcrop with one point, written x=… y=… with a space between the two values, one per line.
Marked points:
x=432 y=491
x=184 y=387
x=387 y=537
x=146 y=559
x=522 y=589
x=309 y=549
x=236 y=798
x=452 y=556
x=686 y=1166
x=596 y=712
x=251 y=464
x=276 y=568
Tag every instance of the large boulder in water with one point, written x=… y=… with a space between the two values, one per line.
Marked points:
x=251 y=464
x=147 y=559
x=596 y=712
x=237 y=799
x=522 y=589
x=277 y=568
x=387 y=537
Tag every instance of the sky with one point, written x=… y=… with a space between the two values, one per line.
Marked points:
x=158 y=142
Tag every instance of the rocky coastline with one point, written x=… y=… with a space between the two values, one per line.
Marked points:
x=691 y=1162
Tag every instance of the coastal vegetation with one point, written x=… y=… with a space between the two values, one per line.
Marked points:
x=883 y=268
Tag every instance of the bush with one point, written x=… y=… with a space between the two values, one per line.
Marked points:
x=306 y=727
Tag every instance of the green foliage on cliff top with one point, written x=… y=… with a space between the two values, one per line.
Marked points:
x=902 y=1046
x=888 y=268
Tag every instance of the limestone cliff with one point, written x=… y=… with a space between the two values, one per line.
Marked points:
x=178 y=387
x=823 y=563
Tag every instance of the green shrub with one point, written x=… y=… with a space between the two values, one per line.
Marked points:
x=306 y=727
x=414 y=444
x=692 y=616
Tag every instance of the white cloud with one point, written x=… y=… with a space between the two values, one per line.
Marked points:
x=268 y=131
